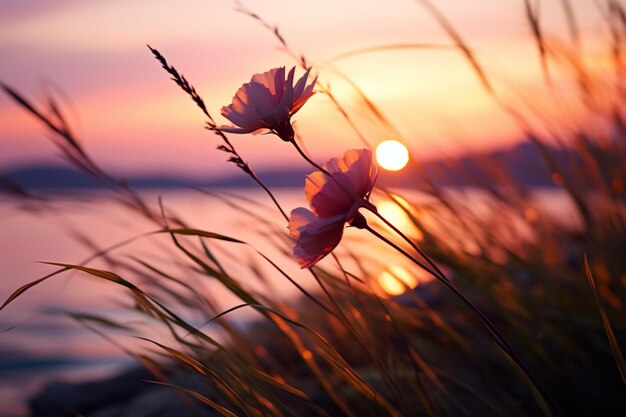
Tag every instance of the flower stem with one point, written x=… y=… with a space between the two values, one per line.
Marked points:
x=402 y=251
x=412 y=244
x=306 y=157
x=270 y=194
x=495 y=334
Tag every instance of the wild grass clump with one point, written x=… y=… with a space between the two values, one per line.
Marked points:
x=521 y=313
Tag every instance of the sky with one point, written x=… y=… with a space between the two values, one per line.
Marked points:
x=92 y=56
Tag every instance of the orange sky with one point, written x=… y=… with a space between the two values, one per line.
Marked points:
x=133 y=119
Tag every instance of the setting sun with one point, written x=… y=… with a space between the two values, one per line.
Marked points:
x=392 y=155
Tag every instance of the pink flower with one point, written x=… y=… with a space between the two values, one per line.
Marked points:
x=334 y=201
x=267 y=102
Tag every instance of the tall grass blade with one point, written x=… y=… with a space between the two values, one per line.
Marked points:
x=617 y=352
x=220 y=409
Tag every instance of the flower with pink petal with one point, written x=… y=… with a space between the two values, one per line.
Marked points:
x=267 y=102
x=335 y=200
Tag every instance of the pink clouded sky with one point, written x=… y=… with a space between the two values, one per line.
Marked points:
x=132 y=118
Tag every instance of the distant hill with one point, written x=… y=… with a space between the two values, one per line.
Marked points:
x=62 y=177
x=522 y=163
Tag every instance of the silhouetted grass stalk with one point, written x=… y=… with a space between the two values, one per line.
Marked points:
x=492 y=330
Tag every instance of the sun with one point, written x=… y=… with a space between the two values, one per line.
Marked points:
x=392 y=155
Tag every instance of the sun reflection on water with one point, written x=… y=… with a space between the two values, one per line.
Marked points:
x=396 y=280
x=394 y=211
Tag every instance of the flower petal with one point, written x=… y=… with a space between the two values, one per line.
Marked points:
x=239 y=113
x=287 y=98
x=241 y=120
x=273 y=80
x=300 y=217
x=315 y=237
x=267 y=101
x=353 y=177
x=359 y=166
x=326 y=196
x=299 y=87
x=260 y=101
x=303 y=97
x=235 y=129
